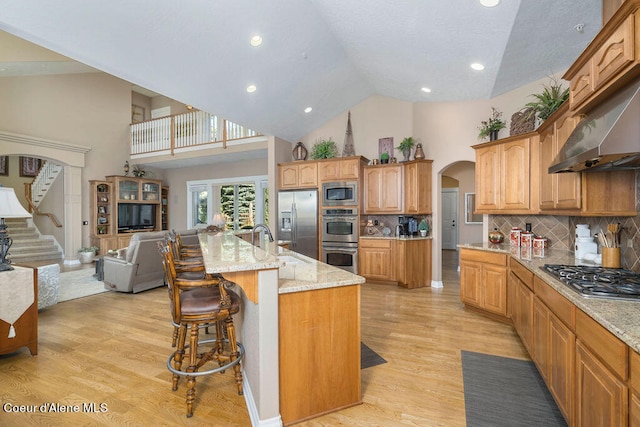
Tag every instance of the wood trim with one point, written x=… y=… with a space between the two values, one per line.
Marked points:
x=559 y=305
x=613 y=352
x=248 y=281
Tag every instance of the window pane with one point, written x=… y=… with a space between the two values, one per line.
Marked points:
x=237 y=203
x=246 y=205
x=200 y=207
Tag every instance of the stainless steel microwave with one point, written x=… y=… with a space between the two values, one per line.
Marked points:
x=340 y=193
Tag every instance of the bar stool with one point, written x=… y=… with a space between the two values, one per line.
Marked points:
x=196 y=303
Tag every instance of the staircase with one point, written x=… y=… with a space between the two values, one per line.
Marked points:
x=41 y=184
x=28 y=245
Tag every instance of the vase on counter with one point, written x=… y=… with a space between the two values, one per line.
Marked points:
x=496 y=237
x=493 y=135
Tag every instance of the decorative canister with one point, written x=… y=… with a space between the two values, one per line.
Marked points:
x=514 y=236
x=299 y=152
x=540 y=242
x=526 y=239
x=496 y=237
x=538 y=252
x=419 y=154
x=525 y=252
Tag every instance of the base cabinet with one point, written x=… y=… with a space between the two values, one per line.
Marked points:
x=319 y=348
x=405 y=262
x=601 y=398
x=376 y=260
x=483 y=280
x=521 y=302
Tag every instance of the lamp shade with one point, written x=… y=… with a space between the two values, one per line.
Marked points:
x=218 y=220
x=10 y=207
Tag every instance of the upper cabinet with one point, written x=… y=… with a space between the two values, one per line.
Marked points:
x=297 y=175
x=505 y=176
x=343 y=169
x=129 y=189
x=558 y=191
x=611 y=60
x=383 y=189
x=402 y=188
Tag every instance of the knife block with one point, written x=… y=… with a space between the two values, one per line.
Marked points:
x=610 y=257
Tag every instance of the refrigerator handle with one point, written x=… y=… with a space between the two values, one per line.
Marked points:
x=294 y=225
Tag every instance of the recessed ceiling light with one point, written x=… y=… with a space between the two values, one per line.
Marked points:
x=489 y=3
x=251 y=88
x=477 y=66
x=426 y=89
x=308 y=110
x=256 y=41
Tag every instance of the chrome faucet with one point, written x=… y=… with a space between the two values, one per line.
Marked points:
x=256 y=228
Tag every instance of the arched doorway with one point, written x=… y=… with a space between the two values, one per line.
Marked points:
x=72 y=158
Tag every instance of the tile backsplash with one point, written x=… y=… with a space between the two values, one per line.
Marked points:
x=560 y=230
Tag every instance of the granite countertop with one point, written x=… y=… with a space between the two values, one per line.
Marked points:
x=618 y=317
x=224 y=252
x=381 y=237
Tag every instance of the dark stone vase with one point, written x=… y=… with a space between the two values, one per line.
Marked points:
x=493 y=135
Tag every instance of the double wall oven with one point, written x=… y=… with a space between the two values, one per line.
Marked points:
x=340 y=237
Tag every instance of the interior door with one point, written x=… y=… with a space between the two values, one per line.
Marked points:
x=449 y=230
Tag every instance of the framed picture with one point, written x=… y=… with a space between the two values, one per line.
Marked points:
x=29 y=166
x=4 y=165
x=469 y=207
x=385 y=145
x=137 y=113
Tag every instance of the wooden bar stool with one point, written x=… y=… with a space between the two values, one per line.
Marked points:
x=196 y=303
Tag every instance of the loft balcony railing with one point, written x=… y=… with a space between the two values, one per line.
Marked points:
x=192 y=129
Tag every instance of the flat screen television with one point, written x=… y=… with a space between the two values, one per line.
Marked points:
x=136 y=216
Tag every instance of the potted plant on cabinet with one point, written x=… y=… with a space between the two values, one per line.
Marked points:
x=324 y=149
x=492 y=126
x=87 y=253
x=548 y=101
x=405 y=147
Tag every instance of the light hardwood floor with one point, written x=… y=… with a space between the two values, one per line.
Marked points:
x=112 y=348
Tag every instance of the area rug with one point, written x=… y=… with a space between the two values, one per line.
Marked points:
x=79 y=284
x=500 y=391
x=368 y=357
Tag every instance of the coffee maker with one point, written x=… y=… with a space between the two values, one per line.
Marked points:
x=407 y=226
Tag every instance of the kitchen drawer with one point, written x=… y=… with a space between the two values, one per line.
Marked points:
x=522 y=272
x=376 y=243
x=612 y=351
x=484 y=257
x=559 y=305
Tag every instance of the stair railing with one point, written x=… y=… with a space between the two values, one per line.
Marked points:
x=34 y=209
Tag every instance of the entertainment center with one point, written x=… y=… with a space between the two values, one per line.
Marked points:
x=122 y=205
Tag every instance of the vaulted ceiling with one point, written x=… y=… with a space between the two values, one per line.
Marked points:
x=325 y=54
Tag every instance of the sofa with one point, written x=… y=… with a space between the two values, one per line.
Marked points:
x=139 y=267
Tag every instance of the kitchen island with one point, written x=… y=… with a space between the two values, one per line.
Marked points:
x=300 y=325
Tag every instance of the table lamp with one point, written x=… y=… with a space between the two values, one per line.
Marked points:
x=218 y=221
x=10 y=207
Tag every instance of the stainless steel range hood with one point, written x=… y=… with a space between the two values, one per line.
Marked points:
x=607 y=138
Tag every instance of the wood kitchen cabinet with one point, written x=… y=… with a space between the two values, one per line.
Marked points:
x=417 y=187
x=383 y=189
x=505 y=176
x=413 y=263
x=343 y=169
x=558 y=191
x=297 y=175
x=520 y=292
x=601 y=375
x=483 y=280
x=405 y=262
x=634 y=394
x=554 y=343
x=402 y=188
x=591 y=193
x=610 y=61
x=376 y=260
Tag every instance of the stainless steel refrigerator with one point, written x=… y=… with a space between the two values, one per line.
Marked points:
x=298 y=220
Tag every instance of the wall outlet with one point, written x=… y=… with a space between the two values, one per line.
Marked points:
x=382 y=224
x=630 y=243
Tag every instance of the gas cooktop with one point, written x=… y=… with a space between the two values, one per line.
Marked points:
x=598 y=282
